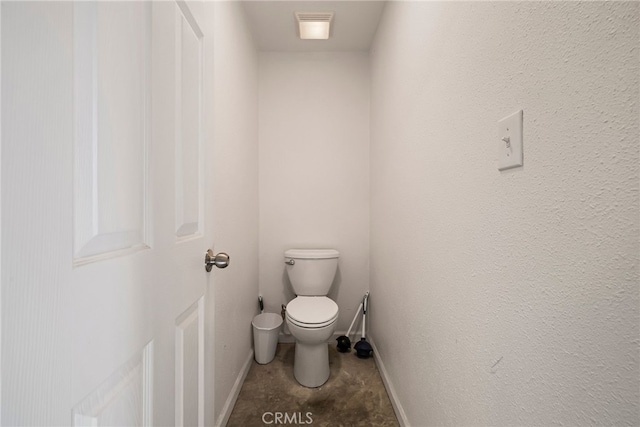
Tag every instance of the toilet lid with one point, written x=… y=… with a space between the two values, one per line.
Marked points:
x=311 y=253
x=312 y=311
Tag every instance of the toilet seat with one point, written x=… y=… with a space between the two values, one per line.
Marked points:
x=312 y=312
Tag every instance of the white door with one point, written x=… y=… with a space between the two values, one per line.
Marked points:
x=103 y=220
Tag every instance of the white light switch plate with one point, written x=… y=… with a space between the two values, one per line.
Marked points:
x=510 y=141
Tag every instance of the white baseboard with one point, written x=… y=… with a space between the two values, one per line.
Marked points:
x=235 y=391
x=391 y=391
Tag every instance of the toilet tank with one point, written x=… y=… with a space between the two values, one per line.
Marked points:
x=312 y=270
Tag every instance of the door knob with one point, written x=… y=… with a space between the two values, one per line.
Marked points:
x=220 y=260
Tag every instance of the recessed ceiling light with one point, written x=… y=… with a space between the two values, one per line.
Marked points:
x=314 y=25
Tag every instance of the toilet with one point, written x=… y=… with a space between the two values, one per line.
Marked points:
x=311 y=316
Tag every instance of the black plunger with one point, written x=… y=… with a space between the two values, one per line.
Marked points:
x=344 y=343
x=363 y=348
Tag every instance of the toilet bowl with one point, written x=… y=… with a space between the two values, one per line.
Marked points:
x=311 y=321
x=311 y=316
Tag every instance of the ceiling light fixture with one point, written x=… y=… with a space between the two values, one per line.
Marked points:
x=314 y=25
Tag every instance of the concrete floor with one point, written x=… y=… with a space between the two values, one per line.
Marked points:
x=354 y=395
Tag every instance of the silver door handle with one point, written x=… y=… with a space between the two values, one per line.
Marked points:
x=220 y=260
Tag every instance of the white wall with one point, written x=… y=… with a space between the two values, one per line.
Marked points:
x=314 y=169
x=507 y=298
x=235 y=175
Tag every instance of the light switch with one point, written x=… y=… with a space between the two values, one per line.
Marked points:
x=510 y=141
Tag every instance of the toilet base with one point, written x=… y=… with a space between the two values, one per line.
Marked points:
x=311 y=364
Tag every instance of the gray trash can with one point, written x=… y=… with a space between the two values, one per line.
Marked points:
x=266 y=328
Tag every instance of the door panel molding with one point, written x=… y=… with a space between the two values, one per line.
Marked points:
x=189 y=164
x=189 y=367
x=125 y=398
x=112 y=127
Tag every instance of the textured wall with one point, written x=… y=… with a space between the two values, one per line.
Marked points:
x=507 y=298
x=234 y=65
x=314 y=169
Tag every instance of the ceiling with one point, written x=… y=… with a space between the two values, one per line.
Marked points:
x=274 y=26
